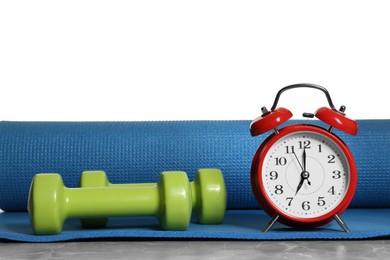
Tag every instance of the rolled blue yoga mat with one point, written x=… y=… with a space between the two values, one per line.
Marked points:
x=137 y=152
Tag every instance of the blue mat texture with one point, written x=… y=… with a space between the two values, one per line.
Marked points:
x=137 y=152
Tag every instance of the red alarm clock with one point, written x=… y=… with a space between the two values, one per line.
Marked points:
x=303 y=175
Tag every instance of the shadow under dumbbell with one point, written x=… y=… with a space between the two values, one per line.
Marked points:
x=19 y=224
x=133 y=223
x=247 y=220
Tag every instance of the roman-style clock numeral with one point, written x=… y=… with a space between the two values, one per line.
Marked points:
x=336 y=174
x=290 y=149
x=331 y=158
x=289 y=200
x=280 y=161
x=278 y=189
x=304 y=144
x=306 y=205
x=273 y=175
x=321 y=201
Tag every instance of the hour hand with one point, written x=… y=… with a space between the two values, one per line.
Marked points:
x=304 y=176
x=299 y=185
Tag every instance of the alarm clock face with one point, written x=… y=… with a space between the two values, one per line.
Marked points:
x=304 y=175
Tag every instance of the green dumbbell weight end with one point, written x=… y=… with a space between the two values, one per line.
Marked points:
x=51 y=203
x=208 y=194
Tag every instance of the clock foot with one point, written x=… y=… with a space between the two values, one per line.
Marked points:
x=341 y=223
x=271 y=223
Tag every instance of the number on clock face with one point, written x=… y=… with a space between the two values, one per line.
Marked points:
x=305 y=174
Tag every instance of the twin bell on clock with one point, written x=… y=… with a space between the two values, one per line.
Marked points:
x=303 y=175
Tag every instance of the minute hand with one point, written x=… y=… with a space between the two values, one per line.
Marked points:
x=304 y=164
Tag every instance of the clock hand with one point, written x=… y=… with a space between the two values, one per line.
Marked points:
x=298 y=160
x=304 y=164
x=304 y=176
x=300 y=185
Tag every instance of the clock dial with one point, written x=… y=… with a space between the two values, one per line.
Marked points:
x=305 y=174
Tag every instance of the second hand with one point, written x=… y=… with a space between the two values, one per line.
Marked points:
x=297 y=159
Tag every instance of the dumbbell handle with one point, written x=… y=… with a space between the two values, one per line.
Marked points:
x=131 y=185
x=135 y=201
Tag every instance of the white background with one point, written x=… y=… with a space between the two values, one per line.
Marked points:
x=182 y=60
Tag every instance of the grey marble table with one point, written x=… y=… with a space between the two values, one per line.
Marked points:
x=340 y=249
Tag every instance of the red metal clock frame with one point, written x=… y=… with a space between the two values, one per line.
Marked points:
x=271 y=209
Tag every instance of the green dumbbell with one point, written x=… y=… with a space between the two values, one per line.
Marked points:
x=208 y=194
x=51 y=203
